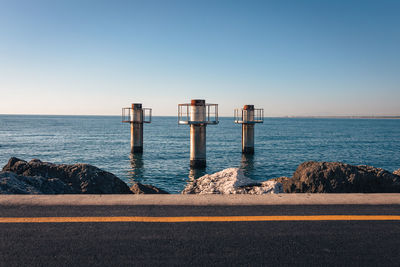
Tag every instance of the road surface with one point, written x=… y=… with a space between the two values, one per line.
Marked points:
x=223 y=243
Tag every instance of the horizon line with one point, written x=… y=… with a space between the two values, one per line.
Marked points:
x=224 y=116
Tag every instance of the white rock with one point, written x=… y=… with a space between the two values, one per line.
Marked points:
x=231 y=181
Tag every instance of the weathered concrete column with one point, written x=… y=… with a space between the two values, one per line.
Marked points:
x=198 y=134
x=136 y=128
x=136 y=117
x=246 y=116
x=197 y=115
x=248 y=130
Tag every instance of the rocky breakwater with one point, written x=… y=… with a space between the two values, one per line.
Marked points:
x=310 y=177
x=336 y=177
x=231 y=181
x=37 y=177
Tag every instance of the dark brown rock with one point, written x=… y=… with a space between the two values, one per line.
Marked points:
x=139 y=188
x=397 y=172
x=80 y=178
x=11 y=183
x=336 y=177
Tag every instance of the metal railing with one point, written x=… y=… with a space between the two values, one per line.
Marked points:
x=145 y=117
x=257 y=118
x=211 y=116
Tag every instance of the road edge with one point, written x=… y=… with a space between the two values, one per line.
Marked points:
x=201 y=200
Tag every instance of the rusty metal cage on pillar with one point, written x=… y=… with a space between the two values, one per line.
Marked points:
x=248 y=116
x=198 y=115
x=136 y=116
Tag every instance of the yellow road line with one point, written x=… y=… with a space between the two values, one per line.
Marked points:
x=200 y=219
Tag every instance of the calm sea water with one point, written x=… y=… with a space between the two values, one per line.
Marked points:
x=281 y=145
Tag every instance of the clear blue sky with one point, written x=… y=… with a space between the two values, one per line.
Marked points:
x=289 y=57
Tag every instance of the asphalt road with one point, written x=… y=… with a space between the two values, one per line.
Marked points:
x=282 y=243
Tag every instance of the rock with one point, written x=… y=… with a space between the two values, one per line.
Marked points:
x=230 y=181
x=11 y=183
x=282 y=179
x=139 y=188
x=397 y=172
x=79 y=178
x=266 y=187
x=336 y=177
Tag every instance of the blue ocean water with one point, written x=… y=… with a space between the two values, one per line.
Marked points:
x=281 y=145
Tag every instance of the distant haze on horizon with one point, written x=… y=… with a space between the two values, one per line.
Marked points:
x=292 y=58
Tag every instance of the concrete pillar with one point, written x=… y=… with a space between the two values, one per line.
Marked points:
x=248 y=129
x=136 y=118
x=198 y=134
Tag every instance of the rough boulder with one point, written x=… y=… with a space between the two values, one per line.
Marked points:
x=336 y=177
x=37 y=177
x=139 y=188
x=11 y=183
x=231 y=181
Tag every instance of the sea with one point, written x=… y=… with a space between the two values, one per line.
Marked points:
x=281 y=144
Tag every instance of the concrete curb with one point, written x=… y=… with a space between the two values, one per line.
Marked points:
x=200 y=200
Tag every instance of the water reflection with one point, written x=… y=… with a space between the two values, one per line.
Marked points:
x=247 y=164
x=136 y=172
x=196 y=173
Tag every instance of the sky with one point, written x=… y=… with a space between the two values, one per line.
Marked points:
x=292 y=58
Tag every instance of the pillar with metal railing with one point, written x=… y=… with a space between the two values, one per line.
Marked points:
x=248 y=116
x=198 y=115
x=136 y=116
